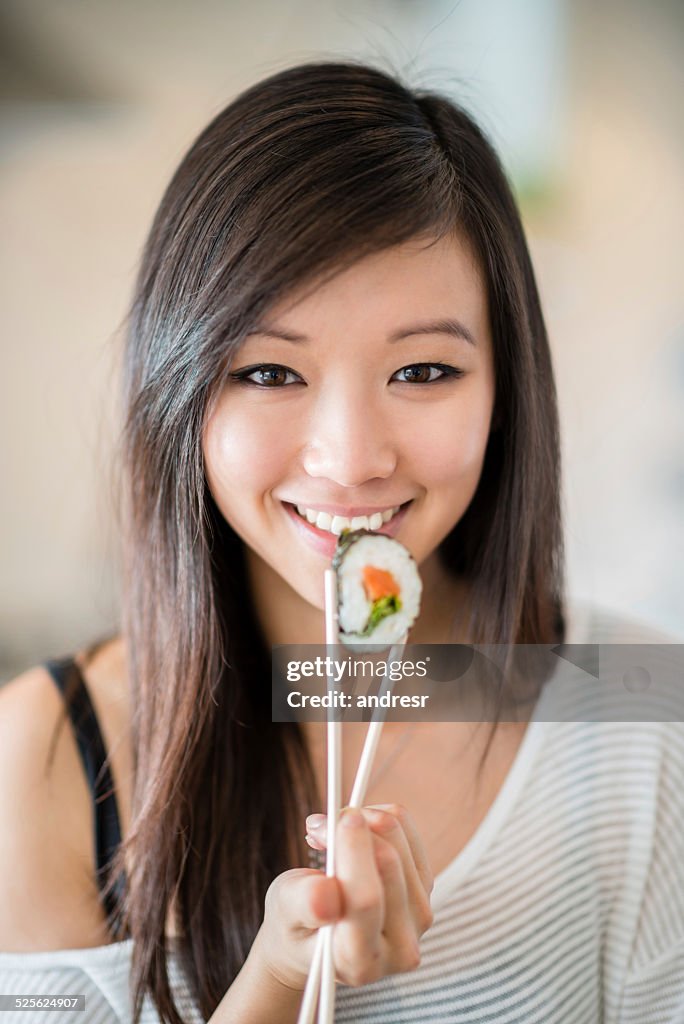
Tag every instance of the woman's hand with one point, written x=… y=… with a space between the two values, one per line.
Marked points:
x=379 y=901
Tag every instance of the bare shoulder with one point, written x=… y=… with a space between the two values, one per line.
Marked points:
x=48 y=898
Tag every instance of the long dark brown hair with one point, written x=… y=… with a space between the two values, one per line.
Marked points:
x=301 y=175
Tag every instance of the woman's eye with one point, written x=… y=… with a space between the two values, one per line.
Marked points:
x=273 y=375
x=266 y=375
x=426 y=373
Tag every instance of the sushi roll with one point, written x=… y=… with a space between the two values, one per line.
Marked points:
x=378 y=588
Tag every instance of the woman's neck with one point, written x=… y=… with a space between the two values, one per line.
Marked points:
x=286 y=618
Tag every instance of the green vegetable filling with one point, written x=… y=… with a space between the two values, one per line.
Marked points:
x=381 y=608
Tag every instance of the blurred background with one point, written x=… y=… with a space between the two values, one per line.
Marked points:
x=99 y=100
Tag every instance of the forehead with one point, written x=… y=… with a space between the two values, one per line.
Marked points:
x=419 y=279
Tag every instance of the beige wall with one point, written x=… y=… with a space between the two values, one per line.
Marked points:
x=79 y=183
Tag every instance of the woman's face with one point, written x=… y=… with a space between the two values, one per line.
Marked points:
x=368 y=398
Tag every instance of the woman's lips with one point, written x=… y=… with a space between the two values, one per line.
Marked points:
x=326 y=543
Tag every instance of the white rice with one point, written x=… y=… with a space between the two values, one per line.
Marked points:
x=355 y=607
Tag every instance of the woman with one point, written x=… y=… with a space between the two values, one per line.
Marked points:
x=335 y=315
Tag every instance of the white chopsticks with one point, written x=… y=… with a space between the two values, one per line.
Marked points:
x=326 y=1005
x=322 y=971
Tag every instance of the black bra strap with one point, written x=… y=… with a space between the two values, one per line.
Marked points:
x=107 y=828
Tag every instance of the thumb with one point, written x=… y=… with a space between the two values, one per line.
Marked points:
x=325 y=901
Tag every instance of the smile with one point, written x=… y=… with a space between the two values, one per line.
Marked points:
x=335 y=524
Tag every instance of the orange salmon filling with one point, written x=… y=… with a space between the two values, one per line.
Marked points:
x=379 y=583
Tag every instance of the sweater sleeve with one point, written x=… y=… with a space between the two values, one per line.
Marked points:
x=654 y=985
x=58 y=981
x=100 y=973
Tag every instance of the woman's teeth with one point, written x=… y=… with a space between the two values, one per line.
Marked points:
x=336 y=524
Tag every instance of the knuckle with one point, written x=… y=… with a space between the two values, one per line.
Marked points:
x=368 y=904
x=382 y=820
x=364 y=976
x=407 y=957
x=387 y=859
x=413 y=960
x=274 y=893
x=426 y=918
x=361 y=969
x=277 y=900
x=398 y=811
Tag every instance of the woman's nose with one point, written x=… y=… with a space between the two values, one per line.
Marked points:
x=349 y=440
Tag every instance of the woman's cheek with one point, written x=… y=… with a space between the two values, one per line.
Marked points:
x=452 y=447
x=244 y=450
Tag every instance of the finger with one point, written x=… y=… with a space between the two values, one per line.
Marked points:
x=316 y=831
x=315 y=842
x=389 y=827
x=393 y=860
x=305 y=898
x=325 y=901
x=298 y=903
x=317 y=824
x=357 y=935
x=415 y=843
x=399 y=930
x=313 y=821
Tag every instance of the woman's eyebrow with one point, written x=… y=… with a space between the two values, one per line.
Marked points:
x=443 y=326
x=277 y=332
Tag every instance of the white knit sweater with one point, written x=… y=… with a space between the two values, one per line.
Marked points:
x=565 y=907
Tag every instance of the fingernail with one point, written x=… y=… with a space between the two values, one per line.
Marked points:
x=315 y=821
x=352 y=819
